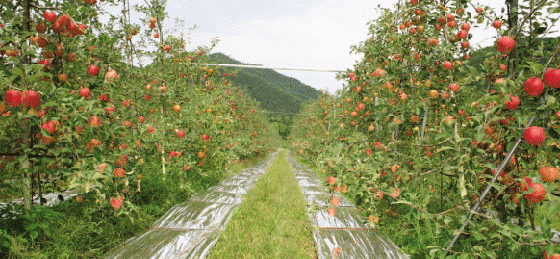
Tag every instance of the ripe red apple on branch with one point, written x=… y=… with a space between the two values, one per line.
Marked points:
x=180 y=133
x=552 y=77
x=335 y=201
x=30 y=98
x=94 y=121
x=497 y=24
x=331 y=180
x=533 y=86
x=534 y=135
x=50 y=126
x=513 y=102
x=554 y=256
x=549 y=174
x=111 y=75
x=84 y=92
x=93 y=70
x=13 y=98
x=116 y=203
x=505 y=44
x=537 y=193
x=49 y=16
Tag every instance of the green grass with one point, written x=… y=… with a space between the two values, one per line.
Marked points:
x=271 y=222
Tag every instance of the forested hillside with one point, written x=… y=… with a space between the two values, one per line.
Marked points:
x=275 y=92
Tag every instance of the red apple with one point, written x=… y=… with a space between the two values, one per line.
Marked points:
x=331 y=180
x=537 y=193
x=31 y=98
x=84 y=92
x=111 y=75
x=180 y=133
x=534 y=135
x=94 y=121
x=70 y=57
x=549 y=174
x=93 y=70
x=41 y=28
x=51 y=17
x=13 y=98
x=513 y=102
x=552 y=77
x=335 y=201
x=533 y=86
x=447 y=65
x=497 y=24
x=454 y=87
x=505 y=44
x=116 y=203
x=49 y=126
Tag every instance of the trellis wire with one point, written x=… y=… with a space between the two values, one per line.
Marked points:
x=275 y=68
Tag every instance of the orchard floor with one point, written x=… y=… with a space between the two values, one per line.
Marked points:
x=283 y=216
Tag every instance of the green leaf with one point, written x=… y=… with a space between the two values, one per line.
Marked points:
x=546 y=228
x=34 y=235
x=553 y=208
x=98 y=154
x=17 y=71
x=552 y=10
x=550 y=101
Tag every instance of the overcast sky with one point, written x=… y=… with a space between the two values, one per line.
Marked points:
x=313 y=34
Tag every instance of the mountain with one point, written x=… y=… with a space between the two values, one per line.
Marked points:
x=275 y=92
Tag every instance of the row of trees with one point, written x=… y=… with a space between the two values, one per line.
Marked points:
x=425 y=125
x=79 y=109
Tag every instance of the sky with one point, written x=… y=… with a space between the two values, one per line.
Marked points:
x=311 y=34
x=314 y=34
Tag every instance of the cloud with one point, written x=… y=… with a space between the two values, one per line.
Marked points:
x=319 y=38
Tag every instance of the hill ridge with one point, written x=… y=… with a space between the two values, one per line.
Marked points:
x=274 y=91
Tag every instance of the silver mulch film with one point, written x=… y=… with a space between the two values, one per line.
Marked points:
x=190 y=229
x=343 y=235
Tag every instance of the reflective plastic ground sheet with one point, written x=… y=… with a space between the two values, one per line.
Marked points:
x=343 y=235
x=190 y=229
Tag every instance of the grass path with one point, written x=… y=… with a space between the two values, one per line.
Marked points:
x=271 y=222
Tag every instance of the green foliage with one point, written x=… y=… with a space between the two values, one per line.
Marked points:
x=421 y=183
x=111 y=137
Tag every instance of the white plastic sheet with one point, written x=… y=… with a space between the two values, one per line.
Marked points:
x=344 y=235
x=192 y=228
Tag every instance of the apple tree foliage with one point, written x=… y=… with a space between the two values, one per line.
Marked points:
x=422 y=123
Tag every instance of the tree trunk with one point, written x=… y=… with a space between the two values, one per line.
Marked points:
x=25 y=168
x=513 y=16
x=24 y=124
